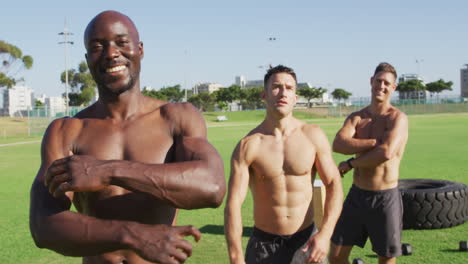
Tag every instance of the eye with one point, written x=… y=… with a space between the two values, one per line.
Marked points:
x=122 y=42
x=95 y=46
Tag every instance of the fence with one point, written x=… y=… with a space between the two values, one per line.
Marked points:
x=433 y=105
x=34 y=122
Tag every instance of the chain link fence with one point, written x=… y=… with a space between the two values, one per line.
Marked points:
x=34 y=122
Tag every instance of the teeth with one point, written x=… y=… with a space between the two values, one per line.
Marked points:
x=115 y=69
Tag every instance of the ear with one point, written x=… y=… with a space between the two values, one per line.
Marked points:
x=141 y=50
x=371 y=80
x=263 y=94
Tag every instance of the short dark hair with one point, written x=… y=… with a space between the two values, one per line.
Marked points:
x=385 y=67
x=278 y=69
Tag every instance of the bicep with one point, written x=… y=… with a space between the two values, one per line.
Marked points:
x=324 y=162
x=239 y=179
x=396 y=134
x=53 y=147
x=349 y=128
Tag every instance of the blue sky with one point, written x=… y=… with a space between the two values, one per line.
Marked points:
x=333 y=44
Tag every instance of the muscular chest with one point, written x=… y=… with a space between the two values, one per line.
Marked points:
x=135 y=141
x=371 y=128
x=292 y=156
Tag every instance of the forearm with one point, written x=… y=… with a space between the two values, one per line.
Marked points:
x=74 y=234
x=233 y=231
x=372 y=158
x=349 y=146
x=187 y=185
x=332 y=208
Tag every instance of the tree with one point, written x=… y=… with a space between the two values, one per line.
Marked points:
x=173 y=94
x=339 y=94
x=411 y=86
x=154 y=94
x=224 y=96
x=203 y=101
x=310 y=93
x=439 y=86
x=251 y=98
x=38 y=103
x=12 y=63
x=83 y=80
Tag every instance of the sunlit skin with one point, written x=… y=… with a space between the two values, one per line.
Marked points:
x=377 y=135
x=126 y=163
x=276 y=160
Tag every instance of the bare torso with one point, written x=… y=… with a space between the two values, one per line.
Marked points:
x=281 y=179
x=148 y=139
x=384 y=176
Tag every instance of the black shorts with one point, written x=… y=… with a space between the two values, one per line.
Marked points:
x=267 y=248
x=374 y=214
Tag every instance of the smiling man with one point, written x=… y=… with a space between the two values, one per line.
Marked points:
x=373 y=208
x=126 y=162
x=278 y=160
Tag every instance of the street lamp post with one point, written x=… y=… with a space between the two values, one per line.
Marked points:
x=65 y=35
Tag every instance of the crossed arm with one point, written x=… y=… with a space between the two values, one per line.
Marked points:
x=371 y=153
x=55 y=227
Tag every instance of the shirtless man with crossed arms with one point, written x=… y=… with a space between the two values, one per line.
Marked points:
x=126 y=162
x=377 y=134
x=277 y=160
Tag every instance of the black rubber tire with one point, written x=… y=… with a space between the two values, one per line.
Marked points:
x=432 y=204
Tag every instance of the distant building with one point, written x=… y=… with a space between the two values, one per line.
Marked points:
x=206 y=87
x=420 y=95
x=17 y=100
x=464 y=81
x=55 y=105
x=244 y=83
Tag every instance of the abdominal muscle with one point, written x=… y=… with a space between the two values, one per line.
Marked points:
x=117 y=203
x=282 y=205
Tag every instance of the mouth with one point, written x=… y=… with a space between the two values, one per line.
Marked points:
x=115 y=69
x=281 y=102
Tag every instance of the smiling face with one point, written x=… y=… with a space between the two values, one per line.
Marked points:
x=382 y=86
x=280 y=94
x=114 y=52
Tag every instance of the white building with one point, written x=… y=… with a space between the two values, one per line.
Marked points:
x=17 y=100
x=413 y=94
x=206 y=87
x=464 y=81
x=54 y=105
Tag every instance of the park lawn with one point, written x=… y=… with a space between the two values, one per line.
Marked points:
x=437 y=148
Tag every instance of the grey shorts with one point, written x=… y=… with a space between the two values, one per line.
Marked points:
x=374 y=214
x=267 y=248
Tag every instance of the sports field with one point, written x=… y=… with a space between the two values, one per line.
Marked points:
x=437 y=148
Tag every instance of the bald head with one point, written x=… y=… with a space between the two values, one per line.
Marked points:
x=108 y=19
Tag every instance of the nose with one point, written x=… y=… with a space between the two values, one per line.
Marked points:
x=111 y=52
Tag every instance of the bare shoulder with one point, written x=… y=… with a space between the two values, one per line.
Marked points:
x=184 y=118
x=395 y=115
x=312 y=130
x=248 y=146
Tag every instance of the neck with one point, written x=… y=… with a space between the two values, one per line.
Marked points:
x=281 y=125
x=379 y=108
x=121 y=106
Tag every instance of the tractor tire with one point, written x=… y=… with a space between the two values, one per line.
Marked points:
x=432 y=204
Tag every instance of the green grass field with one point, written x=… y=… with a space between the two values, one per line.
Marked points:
x=437 y=148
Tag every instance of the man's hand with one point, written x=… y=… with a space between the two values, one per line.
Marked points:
x=318 y=246
x=75 y=173
x=344 y=167
x=165 y=244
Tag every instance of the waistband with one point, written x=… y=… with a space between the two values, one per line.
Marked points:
x=269 y=236
x=355 y=188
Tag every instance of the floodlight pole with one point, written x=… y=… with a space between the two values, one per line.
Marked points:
x=65 y=34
